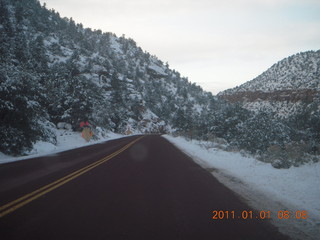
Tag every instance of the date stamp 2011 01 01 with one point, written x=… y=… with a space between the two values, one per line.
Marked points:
x=260 y=215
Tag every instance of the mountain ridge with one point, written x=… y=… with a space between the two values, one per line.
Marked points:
x=292 y=83
x=301 y=70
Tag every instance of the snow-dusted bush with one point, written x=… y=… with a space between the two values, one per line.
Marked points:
x=259 y=132
x=21 y=111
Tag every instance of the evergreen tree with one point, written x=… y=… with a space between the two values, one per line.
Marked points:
x=21 y=113
x=40 y=60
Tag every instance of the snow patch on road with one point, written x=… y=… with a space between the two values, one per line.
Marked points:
x=264 y=187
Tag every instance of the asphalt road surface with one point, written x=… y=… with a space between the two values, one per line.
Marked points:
x=129 y=188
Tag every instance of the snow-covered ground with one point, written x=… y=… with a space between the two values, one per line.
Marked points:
x=264 y=187
x=66 y=140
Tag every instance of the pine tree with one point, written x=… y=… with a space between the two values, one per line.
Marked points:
x=20 y=111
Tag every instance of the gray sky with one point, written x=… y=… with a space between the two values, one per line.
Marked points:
x=217 y=44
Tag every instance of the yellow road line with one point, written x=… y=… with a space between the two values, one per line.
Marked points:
x=18 y=203
x=49 y=185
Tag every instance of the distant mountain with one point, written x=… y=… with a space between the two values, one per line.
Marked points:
x=299 y=71
x=287 y=93
x=292 y=82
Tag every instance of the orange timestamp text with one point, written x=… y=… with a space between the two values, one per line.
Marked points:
x=282 y=214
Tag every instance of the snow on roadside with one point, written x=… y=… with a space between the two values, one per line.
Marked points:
x=264 y=187
x=66 y=140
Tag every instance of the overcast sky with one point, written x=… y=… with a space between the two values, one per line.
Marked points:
x=217 y=44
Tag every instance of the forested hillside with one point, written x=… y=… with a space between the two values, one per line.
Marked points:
x=288 y=92
x=299 y=71
x=284 y=89
x=54 y=70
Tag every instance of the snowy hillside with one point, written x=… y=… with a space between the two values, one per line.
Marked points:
x=298 y=72
x=288 y=94
x=289 y=85
x=53 y=70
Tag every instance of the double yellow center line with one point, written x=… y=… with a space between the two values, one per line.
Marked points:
x=20 y=202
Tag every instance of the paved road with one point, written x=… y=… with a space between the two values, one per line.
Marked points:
x=145 y=190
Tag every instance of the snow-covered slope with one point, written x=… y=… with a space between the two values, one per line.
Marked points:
x=288 y=94
x=283 y=89
x=297 y=72
x=54 y=70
